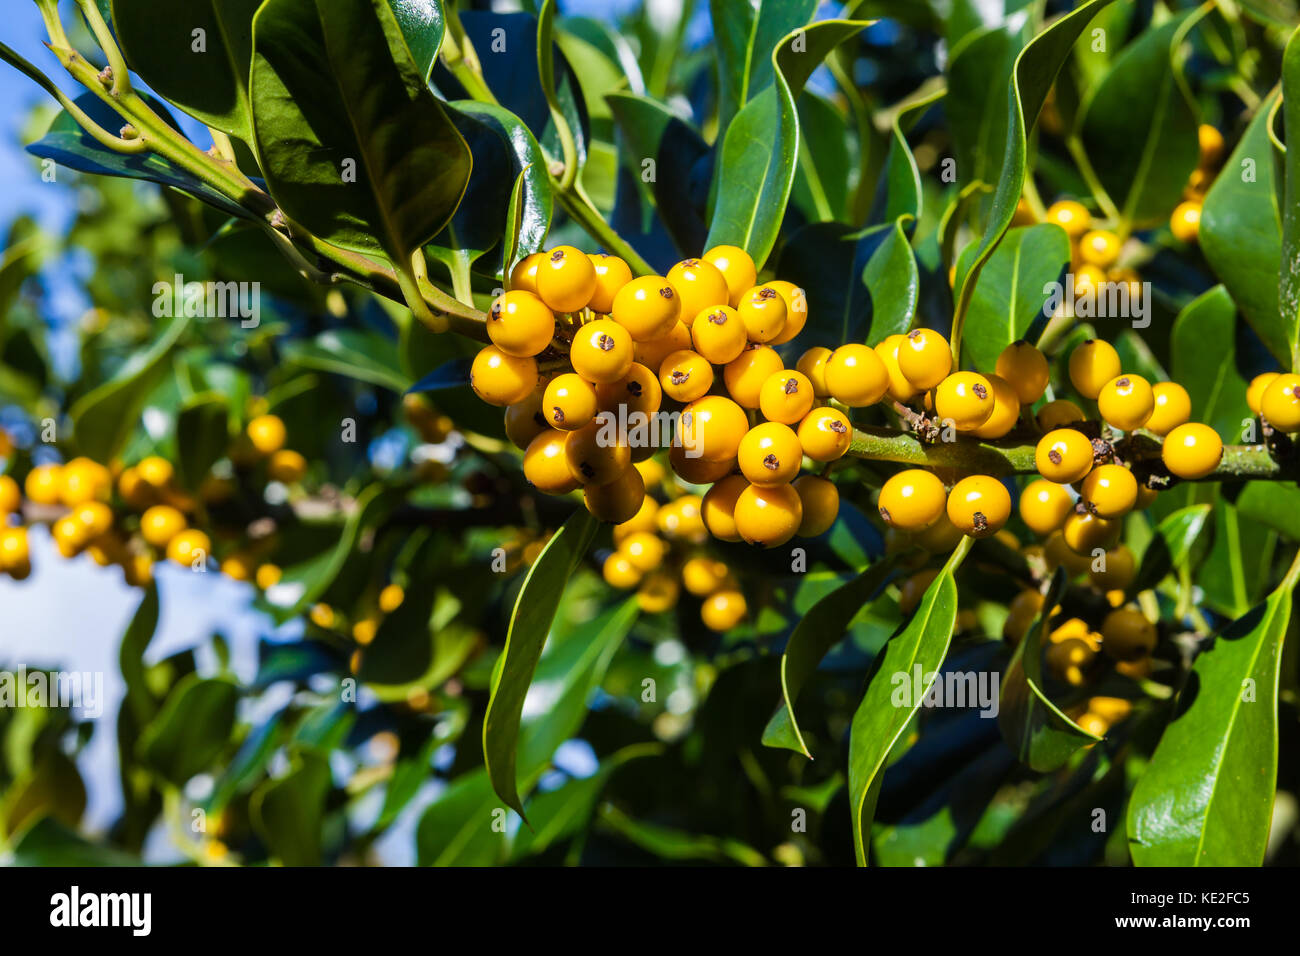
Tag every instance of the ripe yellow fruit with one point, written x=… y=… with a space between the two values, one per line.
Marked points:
x=1063 y=455
x=1110 y=490
x=736 y=267
x=820 y=500
x=1117 y=570
x=616 y=501
x=160 y=524
x=712 y=428
x=619 y=572
x=703 y=576
x=645 y=550
x=768 y=516
x=95 y=517
x=770 y=454
x=189 y=548
x=322 y=615
x=546 y=466
x=266 y=433
x=685 y=376
x=1059 y=414
x=900 y=389
x=1127 y=635
x=719 y=507
x=965 y=399
x=912 y=499
x=1071 y=216
x=591 y=454
x=651 y=354
x=14 y=549
x=925 y=358
x=744 y=376
x=643 y=520
x=700 y=285
x=1210 y=141
x=1044 y=506
x=763 y=311
x=1192 y=451
x=1126 y=402
x=723 y=610
x=1092 y=364
x=566 y=279
x=648 y=308
x=718 y=333
x=1185 y=223
x=825 y=434
x=520 y=324
x=1173 y=407
x=524 y=274
x=1085 y=533
x=856 y=376
x=84 y=480
x=267 y=576
x=602 y=351
x=1006 y=410
x=497 y=378
x=1279 y=405
x=813 y=365
x=796 y=309
x=44 y=485
x=11 y=496
x=1025 y=368
x=238 y=567
x=979 y=505
x=157 y=472
x=786 y=397
x=1255 y=391
x=612 y=273
x=1100 y=248
x=286 y=466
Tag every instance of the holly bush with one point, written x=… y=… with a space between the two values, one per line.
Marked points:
x=904 y=384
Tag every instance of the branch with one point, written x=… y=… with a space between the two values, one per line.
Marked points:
x=1006 y=457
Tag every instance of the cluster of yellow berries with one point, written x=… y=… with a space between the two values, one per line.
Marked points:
x=644 y=557
x=697 y=343
x=1185 y=223
x=95 y=507
x=365 y=627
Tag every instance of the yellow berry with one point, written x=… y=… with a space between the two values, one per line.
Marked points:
x=1085 y=533
x=912 y=499
x=566 y=279
x=524 y=274
x=700 y=286
x=1126 y=402
x=820 y=500
x=744 y=376
x=1255 y=391
x=267 y=576
x=1185 y=223
x=703 y=576
x=11 y=497
x=643 y=520
x=1092 y=364
x=1071 y=216
x=737 y=269
x=1006 y=410
x=979 y=505
x=612 y=273
x=658 y=593
x=1059 y=414
x=189 y=548
x=719 y=507
x=1192 y=451
x=1279 y=405
x=718 y=333
x=593 y=455
x=786 y=397
x=498 y=378
x=1063 y=455
x=856 y=376
x=637 y=391
x=1025 y=367
x=1110 y=490
x=900 y=388
x=266 y=432
x=619 y=572
x=601 y=351
x=391 y=598
x=1173 y=407
x=1127 y=635
x=825 y=434
x=768 y=515
x=770 y=454
x=645 y=550
x=160 y=524
x=648 y=308
x=925 y=358
x=569 y=402
x=44 y=485
x=965 y=399
x=1100 y=248
x=685 y=376
x=520 y=324
x=723 y=610
x=618 y=500
x=796 y=309
x=546 y=467
x=763 y=311
x=286 y=466
x=712 y=427
x=651 y=354
x=813 y=365
x=1044 y=506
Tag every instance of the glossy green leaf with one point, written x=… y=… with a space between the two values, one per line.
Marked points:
x=899 y=196
x=530 y=623
x=1241 y=233
x=1181 y=540
x=1034 y=728
x=1034 y=73
x=893 y=282
x=202 y=437
x=744 y=32
x=1206 y=797
x=356 y=353
x=1203 y=349
x=204 y=73
x=1012 y=290
x=761 y=147
x=422 y=25
x=50 y=788
x=1139 y=131
x=818 y=630
x=1273 y=503
x=289 y=812
x=352 y=142
x=881 y=718
x=1236 y=570
x=104 y=418
x=69 y=145
x=671 y=843
x=1289 y=284
x=821 y=182
x=191 y=730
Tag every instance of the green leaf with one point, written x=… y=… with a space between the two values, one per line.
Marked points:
x=50 y=788
x=202 y=437
x=892 y=280
x=816 y=633
x=1033 y=727
x=1206 y=797
x=104 y=418
x=672 y=843
x=191 y=730
x=333 y=81
x=303 y=583
x=1138 y=130
x=204 y=74
x=879 y=720
x=821 y=183
x=1273 y=503
x=1032 y=77
x=1241 y=233
x=49 y=843
x=1181 y=541
x=422 y=24
x=743 y=33
x=535 y=608
x=757 y=164
x=355 y=353
x=1203 y=348
x=1289 y=286
x=1010 y=294
x=69 y=145
x=288 y=813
